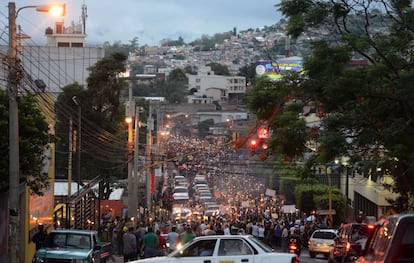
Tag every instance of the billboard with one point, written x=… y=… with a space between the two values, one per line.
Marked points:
x=274 y=70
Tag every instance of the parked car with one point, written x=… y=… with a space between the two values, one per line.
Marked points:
x=392 y=241
x=71 y=245
x=219 y=248
x=321 y=242
x=350 y=243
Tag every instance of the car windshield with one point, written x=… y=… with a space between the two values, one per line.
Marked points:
x=260 y=244
x=323 y=235
x=80 y=241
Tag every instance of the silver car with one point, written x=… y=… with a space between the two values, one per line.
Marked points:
x=321 y=242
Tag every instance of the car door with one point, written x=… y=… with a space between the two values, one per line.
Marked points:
x=201 y=251
x=234 y=251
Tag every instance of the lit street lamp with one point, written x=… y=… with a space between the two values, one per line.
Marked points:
x=14 y=251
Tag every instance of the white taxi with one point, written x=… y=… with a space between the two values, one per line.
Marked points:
x=224 y=249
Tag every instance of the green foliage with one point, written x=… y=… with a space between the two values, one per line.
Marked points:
x=249 y=72
x=368 y=110
x=119 y=47
x=286 y=186
x=316 y=196
x=206 y=43
x=33 y=143
x=219 y=69
x=103 y=127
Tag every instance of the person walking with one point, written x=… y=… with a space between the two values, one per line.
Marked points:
x=172 y=238
x=226 y=230
x=40 y=237
x=150 y=244
x=130 y=245
x=187 y=235
x=138 y=237
x=260 y=232
x=284 y=238
x=255 y=230
x=278 y=234
x=162 y=244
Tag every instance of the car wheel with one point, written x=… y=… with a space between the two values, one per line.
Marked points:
x=312 y=254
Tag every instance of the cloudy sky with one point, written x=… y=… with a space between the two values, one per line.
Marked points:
x=149 y=20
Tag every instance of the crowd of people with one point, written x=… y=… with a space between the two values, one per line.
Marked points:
x=244 y=207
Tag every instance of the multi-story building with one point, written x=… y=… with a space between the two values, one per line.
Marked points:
x=64 y=60
x=210 y=87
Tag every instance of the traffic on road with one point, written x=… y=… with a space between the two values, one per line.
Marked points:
x=210 y=206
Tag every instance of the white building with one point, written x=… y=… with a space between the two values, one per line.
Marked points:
x=63 y=61
x=224 y=89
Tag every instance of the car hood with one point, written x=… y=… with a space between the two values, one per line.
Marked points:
x=63 y=253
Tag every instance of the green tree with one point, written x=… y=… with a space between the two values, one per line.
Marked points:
x=368 y=110
x=33 y=142
x=104 y=132
x=249 y=71
x=219 y=69
x=176 y=86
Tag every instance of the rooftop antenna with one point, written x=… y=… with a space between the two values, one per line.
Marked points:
x=84 y=16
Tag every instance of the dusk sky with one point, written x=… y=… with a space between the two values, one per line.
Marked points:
x=149 y=20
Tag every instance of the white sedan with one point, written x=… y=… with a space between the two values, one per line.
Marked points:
x=224 y=249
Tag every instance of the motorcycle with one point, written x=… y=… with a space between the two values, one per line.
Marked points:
x=294 y=247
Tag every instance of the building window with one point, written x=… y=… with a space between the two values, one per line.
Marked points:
x=63 y=44
x=77 y=44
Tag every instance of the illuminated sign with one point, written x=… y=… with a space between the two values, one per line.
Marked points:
x=274 y=70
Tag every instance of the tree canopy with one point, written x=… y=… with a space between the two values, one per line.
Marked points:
x=103 y=130
x=366 y=108
x=33 y=142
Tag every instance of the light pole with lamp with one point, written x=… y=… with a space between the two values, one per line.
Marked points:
x=14 y=250
x=345 y=163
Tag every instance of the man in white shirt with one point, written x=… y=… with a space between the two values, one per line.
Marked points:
x=172 y=238
x=255 y=230
x=226 y=230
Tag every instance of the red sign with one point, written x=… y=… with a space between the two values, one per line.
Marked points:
x=263 y=133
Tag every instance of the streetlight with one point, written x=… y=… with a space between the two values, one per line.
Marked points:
x=14 y=161
x=345 y=163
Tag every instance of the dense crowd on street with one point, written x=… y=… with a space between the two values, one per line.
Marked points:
x=244 y=207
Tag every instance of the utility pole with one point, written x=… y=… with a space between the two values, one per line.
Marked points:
x=15 y=253
x=148 y=163
x=78 y=145
x=132 y=192
x=67 y=221
x=135 y=175
x=14 y=161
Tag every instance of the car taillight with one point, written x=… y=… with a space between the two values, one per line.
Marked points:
x=348 y=246
x=293 y=247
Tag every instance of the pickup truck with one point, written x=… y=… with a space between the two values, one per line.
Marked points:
x=70 y=245
x=391 y=241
